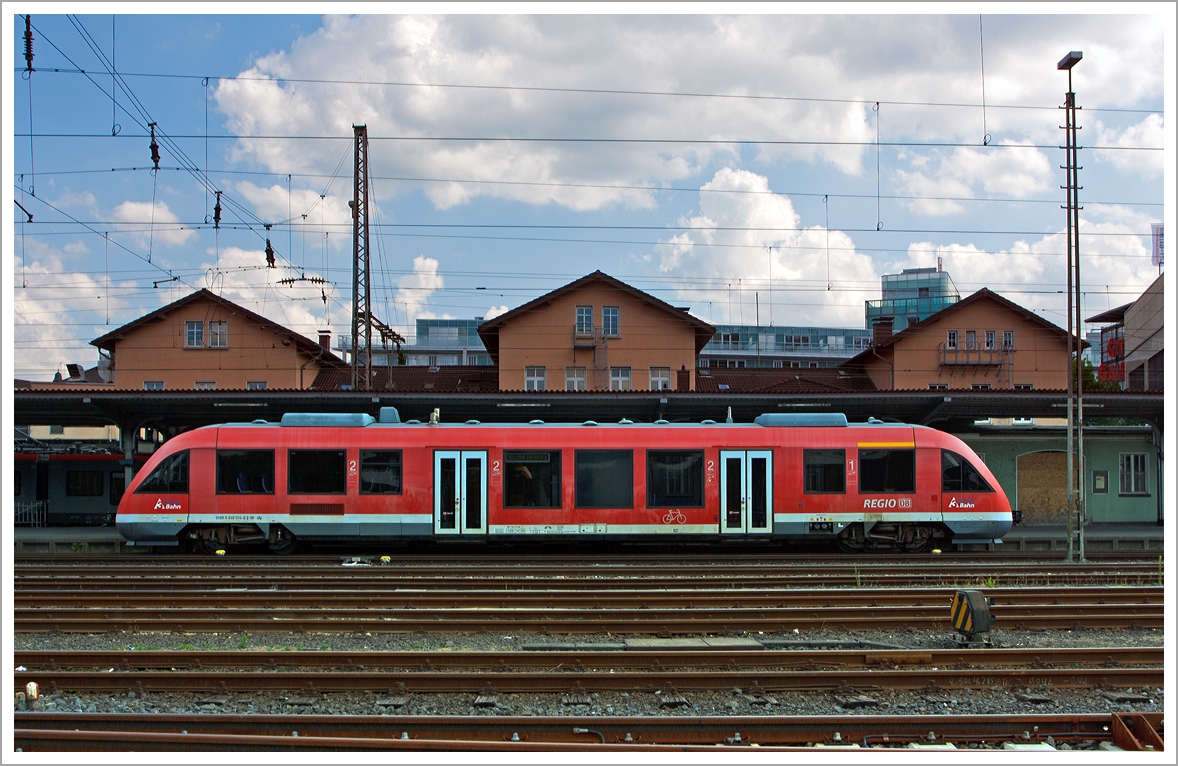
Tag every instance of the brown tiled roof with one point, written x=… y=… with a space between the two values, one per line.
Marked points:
x=489 y=330
x=302 y=343
x=759 y=380
x=414 y=379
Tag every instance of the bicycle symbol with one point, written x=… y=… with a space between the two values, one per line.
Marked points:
x=674 y=516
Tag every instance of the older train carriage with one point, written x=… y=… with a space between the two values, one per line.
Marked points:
x=349 y=477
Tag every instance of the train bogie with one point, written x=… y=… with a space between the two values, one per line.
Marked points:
x=350 y=478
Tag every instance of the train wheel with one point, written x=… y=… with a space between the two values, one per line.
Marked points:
x=851 y=540
x=284 y=543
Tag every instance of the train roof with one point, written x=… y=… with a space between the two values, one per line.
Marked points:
x=390 y=417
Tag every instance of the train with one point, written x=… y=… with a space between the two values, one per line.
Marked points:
x=80 y=489
x=344 y=478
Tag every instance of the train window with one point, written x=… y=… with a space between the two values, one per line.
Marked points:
x=533 y=480
x=605 y=478
x=83 y=483
x=887 y=470
x=958 y=475
x=825 y=471
x=380 y=472
x=118 y=484
x=171 y=475
x=674 y=479
x=245 y=471
x=317 y=472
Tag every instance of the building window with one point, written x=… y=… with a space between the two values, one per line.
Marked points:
x=206 y=385
x=380 y=472
x=938 y=386
x=971 y=340
x=1134 y=474
x=57 y=430
x=609 y=321
x=584 y=320
x=1024 y=386
x=255 y=385
x=219 y=334
x=1008 y=340
x=83 y=483
x=660 y=378
x=575 y=380
x=951 y=341
x=979 y=386
x=153 y=385
x=535 y=378
x=619 y=378
x=990 y=339
x=194 y=334
x=1100 y=482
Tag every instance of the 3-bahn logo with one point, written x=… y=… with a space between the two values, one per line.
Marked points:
x=160 y=505
x=962 y=503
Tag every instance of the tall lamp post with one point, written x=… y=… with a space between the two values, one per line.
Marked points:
x=1075 y=511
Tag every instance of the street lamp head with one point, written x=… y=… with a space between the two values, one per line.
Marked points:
x=1070 y=60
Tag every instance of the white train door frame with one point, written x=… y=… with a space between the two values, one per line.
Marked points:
x=460 y=492
x=746 y=491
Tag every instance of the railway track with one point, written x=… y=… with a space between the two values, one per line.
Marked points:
x=311 y=733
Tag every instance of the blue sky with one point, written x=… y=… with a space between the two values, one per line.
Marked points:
x=716 y=161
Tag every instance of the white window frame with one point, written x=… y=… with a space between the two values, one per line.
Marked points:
x=616 y=313
x=576 y=379
x=1024 y=386
x=194 y=334
x=205 y=385
x=256 y=385
x=991 y=340
x=219 y=333
x=938 y=386
x=535 y=378
x=971 y=340
x=951 y=340
x=980 y=387
x=584 y=320
x=1135 y=480
x=660 y=378
x=1008 y=340
x=620 y=379
x=153 y=385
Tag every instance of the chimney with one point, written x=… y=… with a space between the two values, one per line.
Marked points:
x=76 y=371
x=325 y=339
x=881 y=331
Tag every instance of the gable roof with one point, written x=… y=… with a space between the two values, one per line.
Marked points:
x=301 y=342
x=489 y=330
x=984 y=294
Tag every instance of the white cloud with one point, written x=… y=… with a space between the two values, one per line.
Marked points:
x=495 y=311
x=150 y=225
x=1146 y=163
x=414 y=290
x=745 y=249
x=1005 y=169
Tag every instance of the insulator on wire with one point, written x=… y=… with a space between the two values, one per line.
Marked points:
x=269 y=255
x=155 y=147
x=217 y=212
x=28 y=43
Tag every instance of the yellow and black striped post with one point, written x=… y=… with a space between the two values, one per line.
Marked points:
x=971 y=613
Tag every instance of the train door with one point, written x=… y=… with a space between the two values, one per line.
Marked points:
x=746 y=491
x=460 y=492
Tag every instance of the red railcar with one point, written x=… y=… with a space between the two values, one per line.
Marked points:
x=349 y=478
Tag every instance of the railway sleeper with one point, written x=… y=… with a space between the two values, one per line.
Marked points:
x=889 y=536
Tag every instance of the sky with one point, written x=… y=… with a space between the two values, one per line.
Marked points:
x=751 y=166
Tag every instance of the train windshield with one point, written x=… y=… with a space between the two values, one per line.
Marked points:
x=958 y=475
x=170 y=476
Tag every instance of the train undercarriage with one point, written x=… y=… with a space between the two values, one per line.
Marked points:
x=883 y=536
